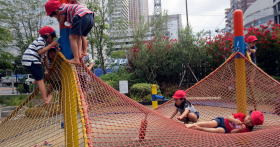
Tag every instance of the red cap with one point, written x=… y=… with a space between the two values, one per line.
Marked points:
x=257 y=118
x=46 y=30
x=179 y=94
x=51 y=6
x=251 y=39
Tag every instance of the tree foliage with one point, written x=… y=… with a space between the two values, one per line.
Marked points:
x=6 y=60
x=5 y=37
x=99 y=37
x=23 y=18
x=165 y=60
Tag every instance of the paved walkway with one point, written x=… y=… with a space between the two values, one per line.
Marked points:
x=7 y=91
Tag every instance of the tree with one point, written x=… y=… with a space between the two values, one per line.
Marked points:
x=99 y=38
x=23 y=18
x=5 y=37
x=164 y=60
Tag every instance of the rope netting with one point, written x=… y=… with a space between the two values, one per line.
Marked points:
x=94 y=114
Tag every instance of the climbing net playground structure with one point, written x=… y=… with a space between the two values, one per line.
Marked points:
x=86 y=112
x=95 y=114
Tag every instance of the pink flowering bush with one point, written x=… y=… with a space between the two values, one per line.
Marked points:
x=268 y=47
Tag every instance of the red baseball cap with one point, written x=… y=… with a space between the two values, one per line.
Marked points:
x=251 y=39
x=257 y=118
x=179 y=94
x=46 y=30
x=51 y=6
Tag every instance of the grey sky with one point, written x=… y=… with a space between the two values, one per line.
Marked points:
x=203 y=14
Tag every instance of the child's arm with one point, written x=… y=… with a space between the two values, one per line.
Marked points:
x=90 y=66
x=239 y=130
x=235 y=121
x=185 y=113
x=45 y=49
x=174 y=113
x=253 y=50
x=61 y=19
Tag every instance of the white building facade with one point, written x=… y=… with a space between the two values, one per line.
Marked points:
x=276 y=11
x=259 y=13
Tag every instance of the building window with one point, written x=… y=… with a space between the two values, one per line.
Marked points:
x=275 y=9
x=278 y=19
x=278 y=6
x=275 y=19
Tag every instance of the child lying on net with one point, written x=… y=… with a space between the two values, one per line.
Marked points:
x=237 y=123
x=186 y=109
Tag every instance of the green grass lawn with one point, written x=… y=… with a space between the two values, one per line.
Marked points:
x=12 y=100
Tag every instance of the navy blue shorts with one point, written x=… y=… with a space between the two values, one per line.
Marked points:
x=82 y=25
x=36 y=71
x=221 y=123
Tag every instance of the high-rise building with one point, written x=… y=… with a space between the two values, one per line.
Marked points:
x=245 y=4
x=276 y=11
x=235 y=4
x=120 y=16
x=172 y=25
x=119 y=21
x=259 y=13
x=138 y=12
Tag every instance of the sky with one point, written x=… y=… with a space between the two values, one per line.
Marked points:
x=203 y=14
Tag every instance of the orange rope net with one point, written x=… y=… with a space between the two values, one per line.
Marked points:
x=94 y=114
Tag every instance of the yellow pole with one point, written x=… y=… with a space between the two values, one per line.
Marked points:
x=240 y=84
x=240 y=69
x=69 y=95
x=154 y=92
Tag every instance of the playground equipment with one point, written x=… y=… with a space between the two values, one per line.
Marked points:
x=156 y=97
x=94 y=114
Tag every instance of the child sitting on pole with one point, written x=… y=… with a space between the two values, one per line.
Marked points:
x=31 y=58
x=80 y=20
x=237 y=123
x=186 y=109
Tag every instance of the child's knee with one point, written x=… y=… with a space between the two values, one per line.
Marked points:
x=193 y=117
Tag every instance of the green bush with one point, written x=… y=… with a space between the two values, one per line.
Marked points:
x=113 y=78
x=12 y=100
x=141 y=92
x=118 y=54
x=276 y=78
x=163 y=60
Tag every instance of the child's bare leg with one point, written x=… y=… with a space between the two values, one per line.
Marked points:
x=74 y=41
x=84 y=46
x=192 y=117
x=80 y=46
x=211 y=130
x=207 y=124
x=43 y=90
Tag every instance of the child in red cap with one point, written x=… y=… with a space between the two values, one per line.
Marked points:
x=31 y=58
x=186 y=109
x=80 y=20
x=251 y=47
x=237 y=123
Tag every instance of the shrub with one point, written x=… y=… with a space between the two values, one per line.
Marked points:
x=113 y=78
x=268 y=47
x=118 y=54
x=12 y=100
x=141 y=92
x=163 y=60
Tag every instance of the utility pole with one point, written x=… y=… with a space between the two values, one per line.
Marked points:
x=187 y=13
